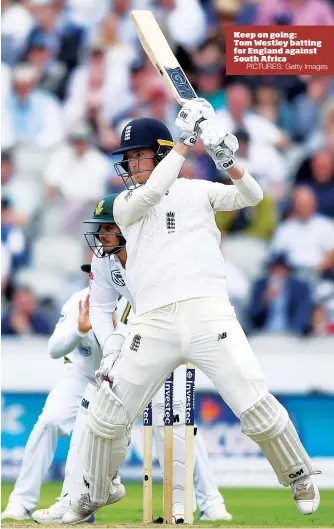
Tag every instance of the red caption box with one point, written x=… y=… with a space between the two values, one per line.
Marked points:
x=279 y=50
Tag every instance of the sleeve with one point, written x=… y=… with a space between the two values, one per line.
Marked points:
x=245 y=192
x=102 y=303
x=66 y=337
x=134 y=204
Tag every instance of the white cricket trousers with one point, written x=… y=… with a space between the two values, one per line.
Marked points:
x=202 y=331
x=56 y=420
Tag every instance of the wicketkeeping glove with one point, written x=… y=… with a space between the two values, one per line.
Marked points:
x=191 y=114
x=111 y=351
x=219 y=144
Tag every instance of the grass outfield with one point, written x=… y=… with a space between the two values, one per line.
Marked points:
x=250 y=508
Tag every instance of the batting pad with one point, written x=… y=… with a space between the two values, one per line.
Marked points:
x=107 y=443
x=269 y=425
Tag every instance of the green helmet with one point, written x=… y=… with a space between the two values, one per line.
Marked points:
x=103 y=214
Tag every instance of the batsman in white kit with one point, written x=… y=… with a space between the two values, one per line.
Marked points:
x=109 y=271
x=74 y=340
x=175 y=273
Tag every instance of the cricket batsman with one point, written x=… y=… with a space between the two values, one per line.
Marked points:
x=107 y=285
x=175 y=273
x=209 y=499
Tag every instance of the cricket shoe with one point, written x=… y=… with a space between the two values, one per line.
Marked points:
x=55 y=512
x=15 y=511
x=82 y=510
x=217 y=511
x=306 y=495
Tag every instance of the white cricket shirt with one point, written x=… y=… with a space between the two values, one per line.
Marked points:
x=107 y=285
x=172 y=238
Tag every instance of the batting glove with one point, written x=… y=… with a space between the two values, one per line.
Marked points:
x=111 y=352
x=219 y=144
x=191 y=114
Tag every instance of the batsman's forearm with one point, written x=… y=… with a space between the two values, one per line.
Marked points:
x=236 y=173
x=249 y=191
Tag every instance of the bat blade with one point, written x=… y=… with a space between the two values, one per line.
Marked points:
x=161 y=56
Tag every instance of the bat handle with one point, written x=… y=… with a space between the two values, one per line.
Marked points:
x=219 y=151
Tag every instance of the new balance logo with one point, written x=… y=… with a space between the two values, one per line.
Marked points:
x=170 y=221
x=85 y=403
x=221 y=336
x=135 y=342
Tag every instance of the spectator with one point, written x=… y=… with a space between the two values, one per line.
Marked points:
x=13 y=234
x=5 y=267
x=270 y=105
x=37 y=115
x=307 y=107
x=24 y=316
x=280 y=302
x=307 y=237
x=273 y=180
x=51 y=72
x=318 y=173
x=16 y=24
x=226 y=13
x=209 y=85
x=78 y=171
x=295 y=12
x=76 y=175
x=161 y=107
x=24 y=194
x=98 y=88
x=322 y=137
x=323 y=315
x=185 y=21
x=240 y=115
x=7 y=126
x=188 y=170
x=63 y=39
x=258 y=221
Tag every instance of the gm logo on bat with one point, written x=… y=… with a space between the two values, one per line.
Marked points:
x=181 y=83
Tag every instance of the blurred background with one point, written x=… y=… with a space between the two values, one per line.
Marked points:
x=73 y=74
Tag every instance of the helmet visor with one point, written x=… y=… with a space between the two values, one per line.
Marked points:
x=103 y=243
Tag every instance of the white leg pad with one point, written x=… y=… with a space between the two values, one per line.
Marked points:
x=107 y=444
x=269 y=425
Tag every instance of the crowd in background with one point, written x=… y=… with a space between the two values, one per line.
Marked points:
x=73 y=74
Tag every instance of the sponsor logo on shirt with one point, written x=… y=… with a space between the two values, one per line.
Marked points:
x=117 y=278
x=84 y=351
x=62 y=316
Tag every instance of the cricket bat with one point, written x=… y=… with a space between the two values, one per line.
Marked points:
x=161 y=56
x=163 y=59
